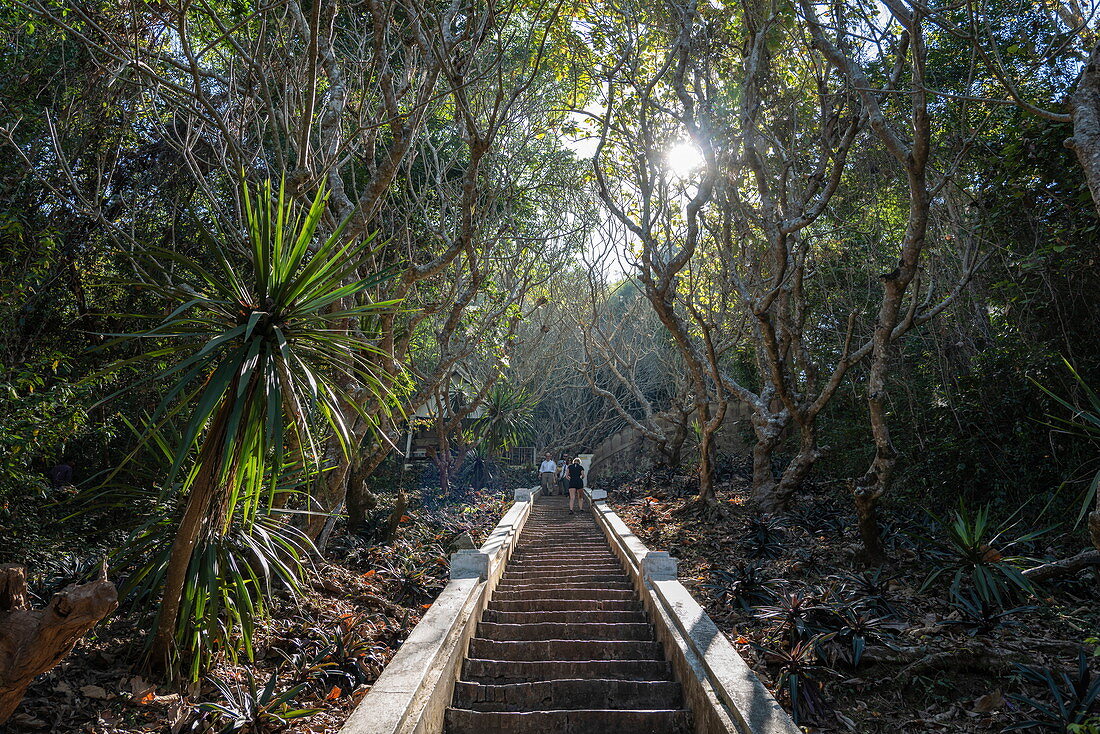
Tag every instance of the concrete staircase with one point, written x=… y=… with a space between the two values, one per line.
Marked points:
x=564 y=646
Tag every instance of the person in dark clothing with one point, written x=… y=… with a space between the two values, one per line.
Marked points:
x=576 y=483
x=61 y=475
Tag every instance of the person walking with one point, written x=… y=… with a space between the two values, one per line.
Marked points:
x=548 y=475
x=576 y=483
x=563 y=475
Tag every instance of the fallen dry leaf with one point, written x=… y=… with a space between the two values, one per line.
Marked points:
x=989 y=702
x=96 y=692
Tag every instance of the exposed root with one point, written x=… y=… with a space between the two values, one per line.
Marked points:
x=1054 y=569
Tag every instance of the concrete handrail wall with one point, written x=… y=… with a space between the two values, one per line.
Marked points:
x=413 y=692
x=723 y=692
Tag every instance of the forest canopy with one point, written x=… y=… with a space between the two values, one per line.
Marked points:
x=279 y=280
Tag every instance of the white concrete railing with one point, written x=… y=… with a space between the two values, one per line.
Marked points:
x=724 y=694
x=415 y=689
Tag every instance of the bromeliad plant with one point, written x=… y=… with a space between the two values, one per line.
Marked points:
x=253 y=708
x=975 y=550
x=1070 y=704
x=265 y=350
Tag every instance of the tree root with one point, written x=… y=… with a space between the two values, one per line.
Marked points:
x=969 y=657
x=1054 y=569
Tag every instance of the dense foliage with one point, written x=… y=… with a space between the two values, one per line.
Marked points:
x=251 y=254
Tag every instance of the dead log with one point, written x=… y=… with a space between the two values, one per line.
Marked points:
x=32 y=641
x=1063 y=567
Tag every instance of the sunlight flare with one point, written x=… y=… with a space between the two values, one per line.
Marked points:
x=683 y=159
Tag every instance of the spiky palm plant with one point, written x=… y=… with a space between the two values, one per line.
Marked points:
x=506 y=419
x=264 y=344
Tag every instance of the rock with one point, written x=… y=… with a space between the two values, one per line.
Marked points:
x=463 y=541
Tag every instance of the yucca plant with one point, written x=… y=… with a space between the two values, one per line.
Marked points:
x=264 y=347
x=506 y=419
x=1083 y=422
x=976 y=549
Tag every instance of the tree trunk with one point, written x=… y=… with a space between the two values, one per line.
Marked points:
x=1085 y=107
x=706 y=457
x=866 y=502
x=797 y=469
x=1094 y=523
x=768 y=433
x=330 y=489
x=207 y=493
x=360 y=500
x=34 y=641
x=394 y=520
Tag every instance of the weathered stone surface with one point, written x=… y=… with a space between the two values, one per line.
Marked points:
x=469 y=564
x=593 y=693
x=659 y=566
x=565 y=631
x=506 y=671
x=564 y=649
x=551 y=594
x=565 y=605
x=564 y=645
x=543 y=615
x=568 y=722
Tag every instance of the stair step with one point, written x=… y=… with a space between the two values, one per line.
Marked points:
x=565 y=646
x=580 y=721
x=565 y=631
x=569 y=559
x=481 y=647
x=568 y=694
x=592 y=594
x=508 y=671
x=513 y=585
x=565 y=605
x=549 y=574
x=573 y=567
x=542 y=615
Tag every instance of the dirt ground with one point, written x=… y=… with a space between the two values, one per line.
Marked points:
x=921 y=664
x=326 y=647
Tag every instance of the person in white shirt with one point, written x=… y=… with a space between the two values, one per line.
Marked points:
x=548 y=475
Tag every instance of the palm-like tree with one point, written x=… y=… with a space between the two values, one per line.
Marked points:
x=262 y=347
x=506 y=418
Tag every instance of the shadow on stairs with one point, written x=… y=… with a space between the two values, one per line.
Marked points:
x=564 y=646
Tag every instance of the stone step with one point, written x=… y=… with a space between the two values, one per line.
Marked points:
x=565 y=554
x=571 y=539
x=542 y=615
x=566 y=539
x=548 y=574
x=572 y=565
x=580 y=721
x=564 y=583
x=481 y=670
x=568 y=694
x=592 y=594
x=565 y=649
x=565 y=631
x=565 y=605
